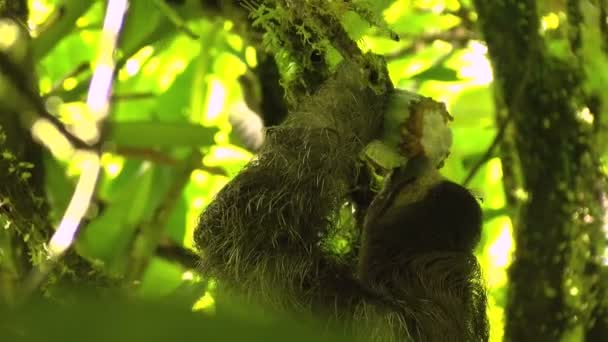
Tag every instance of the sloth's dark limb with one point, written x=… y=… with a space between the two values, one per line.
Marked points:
x=435 y=296
x=417 y=248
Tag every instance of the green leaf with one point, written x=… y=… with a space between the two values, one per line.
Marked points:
x=52 y=35
x=178 y=94
x=59 y=186
x=141 y=24
x=107 y=237
x=471 y=141
x=109 y=190
x=438 y=73
x=474 y=108
x=146 y=134
x=161 y=278
x=176 y=225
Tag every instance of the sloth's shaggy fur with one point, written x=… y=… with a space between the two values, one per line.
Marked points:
x=265 y=234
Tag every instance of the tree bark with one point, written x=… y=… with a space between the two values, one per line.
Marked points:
x=555 y=273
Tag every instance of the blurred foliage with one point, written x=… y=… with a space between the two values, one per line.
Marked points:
x=83 y=317
x=174 y=95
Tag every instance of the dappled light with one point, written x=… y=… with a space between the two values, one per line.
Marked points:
x=229 y=160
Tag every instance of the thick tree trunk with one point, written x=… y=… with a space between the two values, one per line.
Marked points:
x=554 y=276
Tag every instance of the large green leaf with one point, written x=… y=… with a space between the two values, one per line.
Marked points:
x=107 y=237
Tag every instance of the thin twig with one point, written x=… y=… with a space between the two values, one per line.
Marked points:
x=603 y=24
x=18 y=79
x=174 y=18
x=80 y=68
x=458 y=36
x=146 y=154
x=133 y=96
x=489 y=152
x=145 y=244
